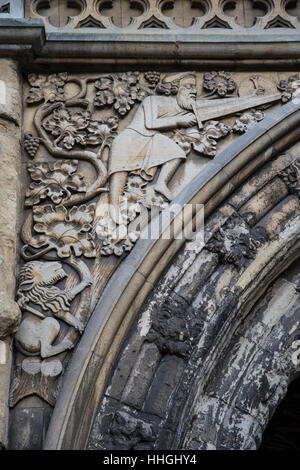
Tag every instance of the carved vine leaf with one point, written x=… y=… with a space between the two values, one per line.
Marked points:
x=70 y=128
x=289 y=87
x=79 y=128
x=116 y=239
x=236 y=242
x=65 y=230
x=120 y=90
x=291 y=177
x=103 y=131
x=204 y=142
x=247 y=120
x=219 y=83
x=53 y=180
x=48 y=88
x=136 y=190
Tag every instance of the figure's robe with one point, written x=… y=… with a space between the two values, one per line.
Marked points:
x=142 y=146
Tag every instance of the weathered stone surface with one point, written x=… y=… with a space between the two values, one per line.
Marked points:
x=175 y=327
x=195 y=277
x=209 y=298
x=5 y=365
x=10 y=163
x=267 y=173
x=29 y=422
x=276 y=220
x=10 y=316
x=165 y=380
x=10 y=96
x=219 y=426
x=263 y=201
x=175 y=334
x=141 y=376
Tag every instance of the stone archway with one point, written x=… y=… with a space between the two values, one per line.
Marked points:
x=237 y=191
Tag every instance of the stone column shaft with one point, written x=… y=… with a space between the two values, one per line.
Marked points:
x=10 y=183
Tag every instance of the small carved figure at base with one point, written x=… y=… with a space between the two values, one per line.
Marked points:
x=36 y=335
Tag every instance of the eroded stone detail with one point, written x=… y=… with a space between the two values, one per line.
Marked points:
x=236 y=242
x=291 y=177
x=130 y=433
x=289 y=86
x=174 y=329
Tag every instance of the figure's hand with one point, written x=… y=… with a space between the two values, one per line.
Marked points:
x=188 y=120
x=78 y=325
x=68 y=344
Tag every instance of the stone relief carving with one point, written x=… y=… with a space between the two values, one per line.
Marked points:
x=39 y=336
x=218 y=83
x=104 y=149
x=291 y=177
x=36 y=285
x=247 y=120
x=236 y=242
x=55 y=181
x=174 y=330
x=128 y=432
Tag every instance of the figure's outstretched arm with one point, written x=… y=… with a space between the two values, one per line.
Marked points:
x=71 y=293
x=153 y=122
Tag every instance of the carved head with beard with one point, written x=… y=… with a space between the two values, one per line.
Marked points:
x=181 y=84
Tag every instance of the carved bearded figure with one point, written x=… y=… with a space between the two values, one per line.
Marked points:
x=142 y=148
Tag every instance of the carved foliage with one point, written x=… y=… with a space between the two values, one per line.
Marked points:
x=289 y=87
x=79 y=128
x=64 y=230
x=204 y=142
x=49 y=88
x=219 y=83
x=55 y=181
x=247 y=120
x=120 y=90
x=63 y=196
x=117 y=238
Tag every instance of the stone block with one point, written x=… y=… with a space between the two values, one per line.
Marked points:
x=196 y=275
x=164 y=383
x=141 y=376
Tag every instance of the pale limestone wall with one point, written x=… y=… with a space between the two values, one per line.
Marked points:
x=10 y=163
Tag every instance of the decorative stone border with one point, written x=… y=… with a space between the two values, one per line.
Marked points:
x=29 y=40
